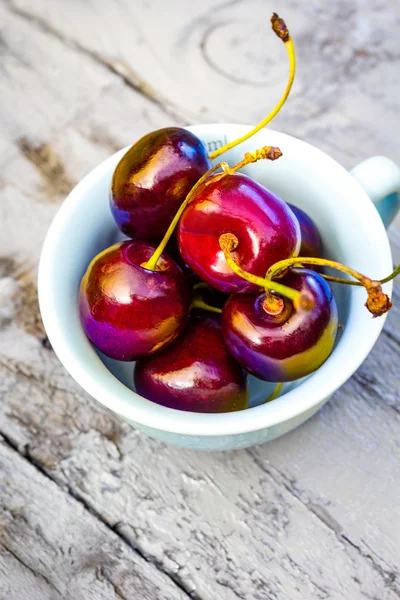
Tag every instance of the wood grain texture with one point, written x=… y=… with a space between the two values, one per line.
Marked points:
x=221 y=60
x=39 y=529
x=312 y=515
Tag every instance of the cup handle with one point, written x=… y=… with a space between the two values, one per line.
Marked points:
x=380 y=178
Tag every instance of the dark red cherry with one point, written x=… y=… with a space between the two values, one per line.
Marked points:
x=196 y=373
x=152 y=180
x=311 y=244
x=286 y=346
x=128 y=311
x=266 y=229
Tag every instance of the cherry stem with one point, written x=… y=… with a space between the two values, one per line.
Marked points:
x=202 y=285
x=282 y=265
x=228 y=242
x=377 y=303
x=267 y=152
x=199 y=303
x=152 y=262
x=349 y=282
x=392 y=275
x=279 y=27
x=340 y=280
x=275 y=393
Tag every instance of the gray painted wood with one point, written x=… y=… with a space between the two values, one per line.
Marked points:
x=52 y=547
x=312 y=515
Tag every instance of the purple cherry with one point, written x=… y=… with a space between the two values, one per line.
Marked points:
x=128 y=311
x=311 y=244
x=152 y=180
x=196 y=373
x=289 y=344
x=265 y=228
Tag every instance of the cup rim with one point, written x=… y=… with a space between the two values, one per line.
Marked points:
x=102 y=385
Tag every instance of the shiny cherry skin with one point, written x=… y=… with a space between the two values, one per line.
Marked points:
x=152 y=180
x=266 y=229
x=285 y=347
x=311 y=244
x=128 y=311
x=196 y=373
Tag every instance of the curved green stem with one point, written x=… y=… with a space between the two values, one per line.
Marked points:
x=274 y=394
x=377 y=303
x=283 y=33
x=282 y=265
x=392 y=275
x=199 y=303
x=267 y=152
x=358 y=283
x=151 y=263
x=284 y=290
x=340 y=280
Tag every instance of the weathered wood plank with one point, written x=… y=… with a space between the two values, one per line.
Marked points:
x=42 y=153
x=16 y=579
x=222 y=61
x=52 y=547
x=308 y=516
x=180 y=508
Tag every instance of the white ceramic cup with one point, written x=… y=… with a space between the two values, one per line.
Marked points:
x=352 y=231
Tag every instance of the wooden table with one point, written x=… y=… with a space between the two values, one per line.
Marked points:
x=91 y=508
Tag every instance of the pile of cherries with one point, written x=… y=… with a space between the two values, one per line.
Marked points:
x=213 y=283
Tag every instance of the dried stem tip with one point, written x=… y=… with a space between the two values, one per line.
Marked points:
x=279 y=27
x=378 y=303
x=267 y=152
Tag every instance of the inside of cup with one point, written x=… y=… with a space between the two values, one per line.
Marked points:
x=306 y=194
x=304 y=177
x=258 y=390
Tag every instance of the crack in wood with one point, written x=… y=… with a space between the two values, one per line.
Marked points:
x=395 y=408
x=101 y=575
x=229 y=586
x=28 y=567
x=123 y=71
x=389 y=577
x=25 y=371
x=324 y=592
x=21 y=369
x=178 y=581
x=392 y=337
x=372 y=385
x=123 y=531
x=380 y=557
x=108 y=428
